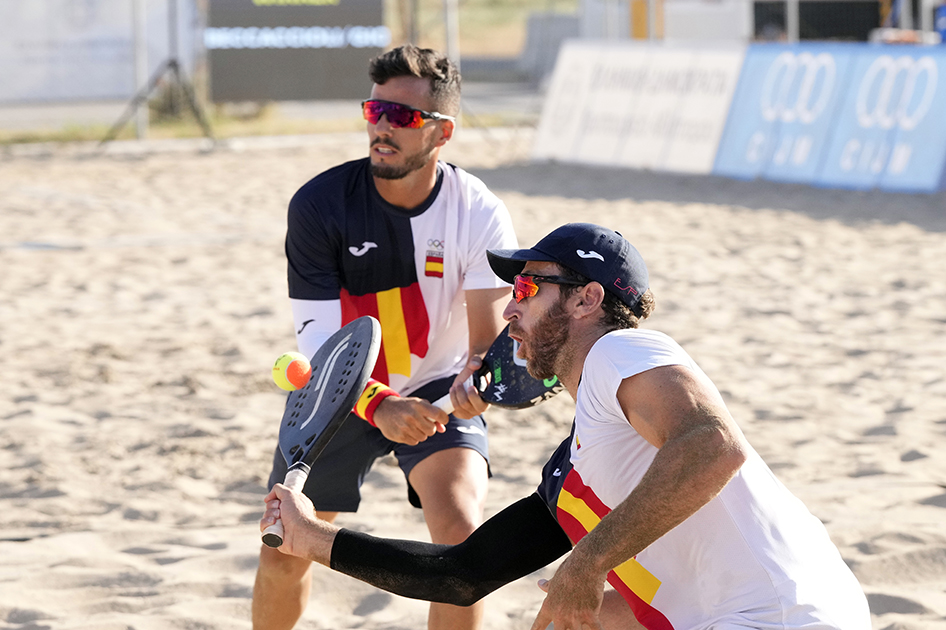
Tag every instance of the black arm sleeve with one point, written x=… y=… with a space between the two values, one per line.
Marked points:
x=522 y=538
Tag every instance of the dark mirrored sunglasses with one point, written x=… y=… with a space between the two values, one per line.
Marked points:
x=399 y=115
x=527 y=286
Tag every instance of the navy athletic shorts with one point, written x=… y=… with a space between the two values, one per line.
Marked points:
x=334 y=484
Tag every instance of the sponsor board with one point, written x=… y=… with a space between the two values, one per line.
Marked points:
x=655 y=107
x=292 y=49
x=702 y=116
x=839 y=115
x=891 y=132
x=568 y=92
x=783 y=111
x=829 y=114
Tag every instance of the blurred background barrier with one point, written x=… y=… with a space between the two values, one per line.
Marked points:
x=292 y=51
x=783 y=111
x=858 y=116
x=891 y=129
x=639 y=106
x=844 y=115
x=673 y=85
x=57 y=51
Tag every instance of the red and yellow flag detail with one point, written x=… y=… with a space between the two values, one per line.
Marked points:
x=369 y=400
x=404 y=326
x=579 y=511
x=434 y=266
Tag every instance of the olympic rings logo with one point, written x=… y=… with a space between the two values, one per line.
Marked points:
x=435 y=243
x=798 y=87
x=890 y=109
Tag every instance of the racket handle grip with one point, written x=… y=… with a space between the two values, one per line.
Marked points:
x=444 y=403
x=273 y=535
x=295 y=480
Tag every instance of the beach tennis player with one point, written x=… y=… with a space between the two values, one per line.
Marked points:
x=400 y=236
x=655 y=491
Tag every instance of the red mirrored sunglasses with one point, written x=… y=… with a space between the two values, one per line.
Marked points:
x=527 y=286
x=399 y=115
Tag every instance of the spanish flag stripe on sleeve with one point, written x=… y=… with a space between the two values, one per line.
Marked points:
x=579 y=511
x=415 y=319
x=577 y=488
x=355 y=306
x=350 y=307
x=572 y=527
x=639 y=579
x=404 y=326
x=394 y=331
x=646 y=615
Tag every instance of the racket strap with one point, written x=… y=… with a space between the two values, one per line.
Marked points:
x=374 y=393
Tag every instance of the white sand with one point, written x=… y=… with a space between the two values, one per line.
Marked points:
x=142 y=301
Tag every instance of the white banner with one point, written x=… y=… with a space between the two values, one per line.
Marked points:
x=637 y=105
x=565 y=101
x=66 y=50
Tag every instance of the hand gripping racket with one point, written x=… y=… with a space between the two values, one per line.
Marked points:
x=504 y=381
x=340 y=371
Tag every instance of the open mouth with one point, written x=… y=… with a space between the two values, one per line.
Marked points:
x=517 y=343
x=384 y=147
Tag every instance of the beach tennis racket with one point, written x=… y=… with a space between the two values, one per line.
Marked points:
x=504 y=381
x=314 y=413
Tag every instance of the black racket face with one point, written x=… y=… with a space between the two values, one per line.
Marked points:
x=340 y=371
x=510 y=384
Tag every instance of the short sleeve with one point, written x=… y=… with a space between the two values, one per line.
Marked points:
x=619 y=355
x=491 y=228
x=312 y=246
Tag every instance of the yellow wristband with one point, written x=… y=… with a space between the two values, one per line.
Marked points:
x=374 y=393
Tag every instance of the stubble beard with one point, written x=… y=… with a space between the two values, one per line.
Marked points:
x=413 y=162
x=548 y=343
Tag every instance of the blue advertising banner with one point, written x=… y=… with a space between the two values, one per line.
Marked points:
x=784 y=108
x=891 y=133
x=842 y=115
x=839 y=115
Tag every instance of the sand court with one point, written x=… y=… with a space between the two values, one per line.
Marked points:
x=143 y=300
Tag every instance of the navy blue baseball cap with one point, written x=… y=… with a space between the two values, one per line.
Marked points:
x=595 y=252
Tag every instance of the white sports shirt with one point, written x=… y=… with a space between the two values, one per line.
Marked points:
x=753 y=557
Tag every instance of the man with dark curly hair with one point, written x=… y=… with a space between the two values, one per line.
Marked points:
x=400 y=236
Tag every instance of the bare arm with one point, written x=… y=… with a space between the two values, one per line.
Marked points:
x=484 y=309
x=409 y=420
x=305 y=536
x=700 y=450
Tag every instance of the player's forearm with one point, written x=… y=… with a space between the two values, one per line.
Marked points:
x=687 y=472
x=317 y=540
x=304 y=535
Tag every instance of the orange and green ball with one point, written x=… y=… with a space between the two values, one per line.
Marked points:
x=291 y=371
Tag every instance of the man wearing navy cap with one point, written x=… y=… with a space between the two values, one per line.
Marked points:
x=656 y=490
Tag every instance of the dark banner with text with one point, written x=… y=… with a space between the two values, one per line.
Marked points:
x=283 y=50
